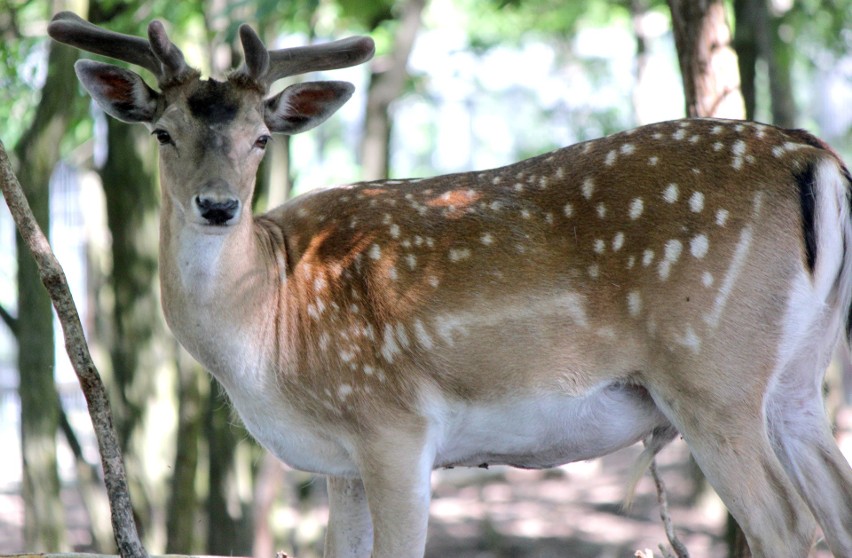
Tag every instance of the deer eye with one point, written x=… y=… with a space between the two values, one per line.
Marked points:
x=162 y=136
x=261 y=142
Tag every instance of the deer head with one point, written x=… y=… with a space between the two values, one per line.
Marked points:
x=212 y=134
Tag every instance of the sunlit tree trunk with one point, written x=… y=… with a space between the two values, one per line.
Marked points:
x=708 y=63
x=38 y=153
x=387 y=82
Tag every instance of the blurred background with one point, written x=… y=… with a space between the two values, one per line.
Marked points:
x=455 y=85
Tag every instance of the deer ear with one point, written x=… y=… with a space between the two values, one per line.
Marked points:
x=302 y=106
x=120 y=93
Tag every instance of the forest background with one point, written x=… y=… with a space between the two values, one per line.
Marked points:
x=456 y=85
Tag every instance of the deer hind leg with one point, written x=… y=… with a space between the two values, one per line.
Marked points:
x=729 y=440
x=801 y=437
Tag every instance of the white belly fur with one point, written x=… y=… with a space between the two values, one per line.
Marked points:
x=539 y=431
x=531 y=431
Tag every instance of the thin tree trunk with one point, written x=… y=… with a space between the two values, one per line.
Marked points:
x=756 y=38
x=387 y=82
x=746 y=45
x=38 y=153
x=707 y=62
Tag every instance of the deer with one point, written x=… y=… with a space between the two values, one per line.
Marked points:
x=686 y=278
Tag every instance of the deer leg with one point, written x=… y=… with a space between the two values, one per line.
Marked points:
x=803 y=442
x=350 y=528
x=730 y=443
x=396 y=470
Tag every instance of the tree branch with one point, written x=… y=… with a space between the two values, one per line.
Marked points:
x=10 y=320
x=678 y=546
x=53 y=278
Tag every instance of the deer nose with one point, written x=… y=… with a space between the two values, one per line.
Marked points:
x=217 y=210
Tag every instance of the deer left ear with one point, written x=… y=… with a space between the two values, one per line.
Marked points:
x=302 y=106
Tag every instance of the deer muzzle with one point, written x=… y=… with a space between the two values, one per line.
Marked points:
x=215 y=205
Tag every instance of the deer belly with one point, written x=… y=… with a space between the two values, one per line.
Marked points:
x=544 y=430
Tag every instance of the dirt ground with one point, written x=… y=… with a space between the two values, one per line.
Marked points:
x=572 y=511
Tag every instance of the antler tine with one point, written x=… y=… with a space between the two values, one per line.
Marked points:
x=256 y=64
x=71 y=29
x=267 y=66
x=159 y=56
x=174 y=67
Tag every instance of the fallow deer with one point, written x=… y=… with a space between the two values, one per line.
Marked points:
x=687 y=277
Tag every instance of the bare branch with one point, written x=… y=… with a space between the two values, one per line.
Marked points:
x=678 y=546
x=10 y=320
x=53 y=278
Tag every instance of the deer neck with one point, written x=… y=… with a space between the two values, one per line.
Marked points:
x=219 y=292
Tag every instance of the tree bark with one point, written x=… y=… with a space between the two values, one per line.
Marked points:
x=707 y=62
x=387 y=81
x=38 y=153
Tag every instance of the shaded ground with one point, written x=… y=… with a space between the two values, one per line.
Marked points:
x=572 y=511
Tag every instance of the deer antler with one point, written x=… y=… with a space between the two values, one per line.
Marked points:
x=158 y=55
x=267 y=66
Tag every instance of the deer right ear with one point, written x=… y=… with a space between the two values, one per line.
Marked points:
x=120 y=93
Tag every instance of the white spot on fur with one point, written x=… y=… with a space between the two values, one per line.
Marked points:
x=670 y=194
x=652 y=161
x=627 y=149
x=637 y=206
x=375 y=252
x=487 y=239
x=721 y=217
x=707 y=279
x=394 y=231
x=696 y=202
x=594 y=271
x=634 y=303
x=610 y=158
x=738 y=149
x=411 y=260
x=600 y=246
x=617 y=241
x=647 y=257
x=601 y=209
x=671 y=253
x=458 y=254
x=423 y=337
x=568 y=210
x=588 y=188
x=698 y=246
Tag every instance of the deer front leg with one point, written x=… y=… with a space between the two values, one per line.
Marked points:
x=396 y=471
x=350 y=530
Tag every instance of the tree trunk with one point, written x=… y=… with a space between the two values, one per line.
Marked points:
x=756 y=38
x=746 y=45
x=387 y=81
x=707 y=62
x=228 y=507
x=182 y=513
x=38 y=153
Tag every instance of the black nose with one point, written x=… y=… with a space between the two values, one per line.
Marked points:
x=217 y=211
